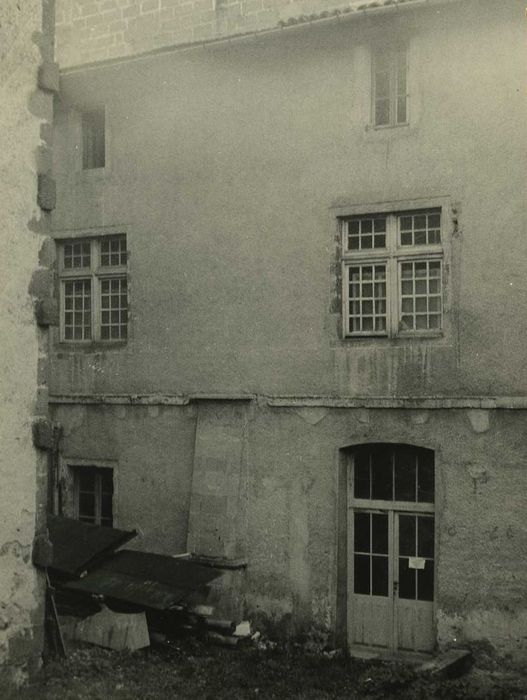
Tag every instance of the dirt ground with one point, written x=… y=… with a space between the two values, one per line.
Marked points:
x=192 y=669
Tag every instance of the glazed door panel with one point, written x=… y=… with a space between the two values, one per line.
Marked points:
x=391 y=494
x=392 y=588
x=372 y=578
x=414 y=602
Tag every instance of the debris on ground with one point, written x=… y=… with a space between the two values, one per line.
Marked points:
x=192 y=668
x=128 y=600
x=110 y=629
x=116 y=597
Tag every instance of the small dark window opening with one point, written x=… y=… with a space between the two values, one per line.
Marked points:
x=94 y=495
x=93 y=139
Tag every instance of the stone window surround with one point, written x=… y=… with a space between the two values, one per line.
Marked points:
x=75 y=235
x=342 y=211
x=67 y=468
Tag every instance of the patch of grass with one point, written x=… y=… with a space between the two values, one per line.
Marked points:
x=193 y=669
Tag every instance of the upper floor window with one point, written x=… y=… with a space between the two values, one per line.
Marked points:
x=392 y=274
x=94 y=294
x=93 y=139
x=390 y=93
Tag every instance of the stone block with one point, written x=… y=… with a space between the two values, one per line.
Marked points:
x=42 y=400
x=149 y=6
x=41 y=283
x=44 y=159
x=43 y=433
x=448 y=664
x=47 y=193
x=48 y=76
x=47 y=312
x=42 y=553
x=479 y=420
x=419 y=417
x=312 y=415
x=363 y=415
x=47 y=254
x=23 y=646
x=41 y=105
x=46 y=133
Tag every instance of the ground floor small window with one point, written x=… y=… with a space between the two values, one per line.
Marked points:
x=93 y=488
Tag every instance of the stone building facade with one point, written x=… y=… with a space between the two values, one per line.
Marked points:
x=290 y=271
x=28 y=81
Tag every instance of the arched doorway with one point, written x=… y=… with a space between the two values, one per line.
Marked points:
x=391 y=547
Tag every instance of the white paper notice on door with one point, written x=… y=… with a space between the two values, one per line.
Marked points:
x=416 y=563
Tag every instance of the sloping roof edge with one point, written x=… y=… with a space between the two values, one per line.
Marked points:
x=348 y=12
x=78 y=546
x=156 y=581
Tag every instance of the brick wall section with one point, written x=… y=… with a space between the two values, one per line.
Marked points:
x=95 y=30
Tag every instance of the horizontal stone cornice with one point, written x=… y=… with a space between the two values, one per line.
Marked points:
x=298 y=401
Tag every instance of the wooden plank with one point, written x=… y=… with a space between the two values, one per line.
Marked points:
x=55 y=638
x=448 y=664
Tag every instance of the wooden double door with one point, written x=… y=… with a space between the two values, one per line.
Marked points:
x=391 y=550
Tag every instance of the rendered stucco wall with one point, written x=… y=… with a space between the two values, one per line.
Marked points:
x=224 y=166
x=296 y=576
x=26 y=31
x=294 y=534
x=150 y=449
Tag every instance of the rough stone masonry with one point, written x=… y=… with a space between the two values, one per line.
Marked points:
x=28 y=80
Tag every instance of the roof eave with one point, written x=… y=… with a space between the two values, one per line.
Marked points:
x=375 y=7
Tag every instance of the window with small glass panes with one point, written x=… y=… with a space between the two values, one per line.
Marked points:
x=392 y=274
x=94 y=289
x=93 y=495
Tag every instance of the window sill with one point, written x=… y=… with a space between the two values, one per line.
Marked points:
x=382 y=127
x=91 y=346
x=419 y=334
x=376 y=133
x=401 y=336
x=91 y=175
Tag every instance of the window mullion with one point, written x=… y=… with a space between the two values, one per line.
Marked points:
x=394 y=295
x=393 y=88
x=393 y=472
x=346 y=299
x=391 y=233
x=373 y=96
x=96 y=326
x=391 y=275
x=62 y=311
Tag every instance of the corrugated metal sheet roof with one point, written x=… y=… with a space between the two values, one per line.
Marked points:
x=77 y=546
x=151 y=580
